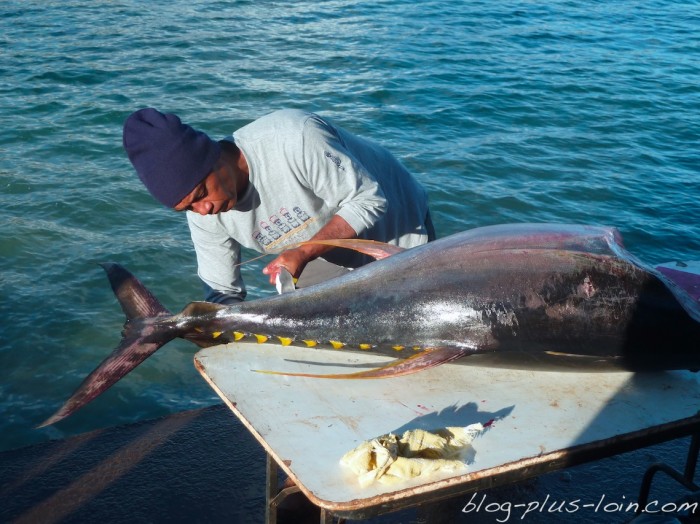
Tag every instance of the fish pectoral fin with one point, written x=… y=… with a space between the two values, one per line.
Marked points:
x=377 y=250
x=402 y=366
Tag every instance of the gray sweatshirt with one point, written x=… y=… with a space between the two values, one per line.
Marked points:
x=302 y=171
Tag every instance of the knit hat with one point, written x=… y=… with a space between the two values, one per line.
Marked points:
x=170 y=157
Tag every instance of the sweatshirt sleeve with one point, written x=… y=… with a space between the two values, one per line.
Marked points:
x=218 y=258
x=336 y=176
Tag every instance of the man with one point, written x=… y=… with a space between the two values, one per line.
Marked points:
x=285 y=178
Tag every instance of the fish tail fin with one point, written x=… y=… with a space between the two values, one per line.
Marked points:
x=134 y=298
x=144 y=333
x=402 y=366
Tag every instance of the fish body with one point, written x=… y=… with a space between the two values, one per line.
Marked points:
x=520 y=295
x=513 y=290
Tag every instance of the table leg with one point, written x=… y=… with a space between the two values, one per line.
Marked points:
x=274 y=496
x=271 y=490
x=686 y=479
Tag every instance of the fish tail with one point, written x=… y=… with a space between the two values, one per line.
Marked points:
x=145 y=331
x=134 y=298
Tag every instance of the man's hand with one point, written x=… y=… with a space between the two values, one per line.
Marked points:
x=295 y=260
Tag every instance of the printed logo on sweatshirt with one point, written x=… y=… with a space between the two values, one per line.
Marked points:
x=335 y=159
x=281 y=227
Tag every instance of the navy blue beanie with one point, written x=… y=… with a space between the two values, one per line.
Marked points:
x=170 y=157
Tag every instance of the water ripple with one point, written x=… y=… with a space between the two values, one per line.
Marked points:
x=507 y=111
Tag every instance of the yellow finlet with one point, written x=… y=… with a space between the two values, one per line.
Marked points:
x=237 y=335
x=261 y=338
x=216 y=334
x=398 y=348
x=336 y=344
x=365 y=346
x=310 y=343
x=285 y=341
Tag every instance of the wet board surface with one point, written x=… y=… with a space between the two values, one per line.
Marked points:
x=307 y=424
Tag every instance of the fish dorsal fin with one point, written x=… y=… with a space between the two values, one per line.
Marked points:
x=377 y=250
x=396 y=368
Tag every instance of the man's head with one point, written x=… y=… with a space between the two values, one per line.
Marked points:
x=219 y=191
x=170 y=158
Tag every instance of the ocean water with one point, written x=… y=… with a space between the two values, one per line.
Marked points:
x=506 y=111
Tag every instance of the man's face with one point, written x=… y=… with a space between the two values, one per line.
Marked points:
x=215 y=194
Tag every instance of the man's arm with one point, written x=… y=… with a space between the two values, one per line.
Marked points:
x=218 y=259
x=294 y=260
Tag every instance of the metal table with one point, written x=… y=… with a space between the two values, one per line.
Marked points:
x=542 y=421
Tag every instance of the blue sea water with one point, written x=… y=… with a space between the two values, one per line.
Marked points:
x=506 y=111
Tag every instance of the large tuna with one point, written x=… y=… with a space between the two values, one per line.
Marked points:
x=521 y=295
